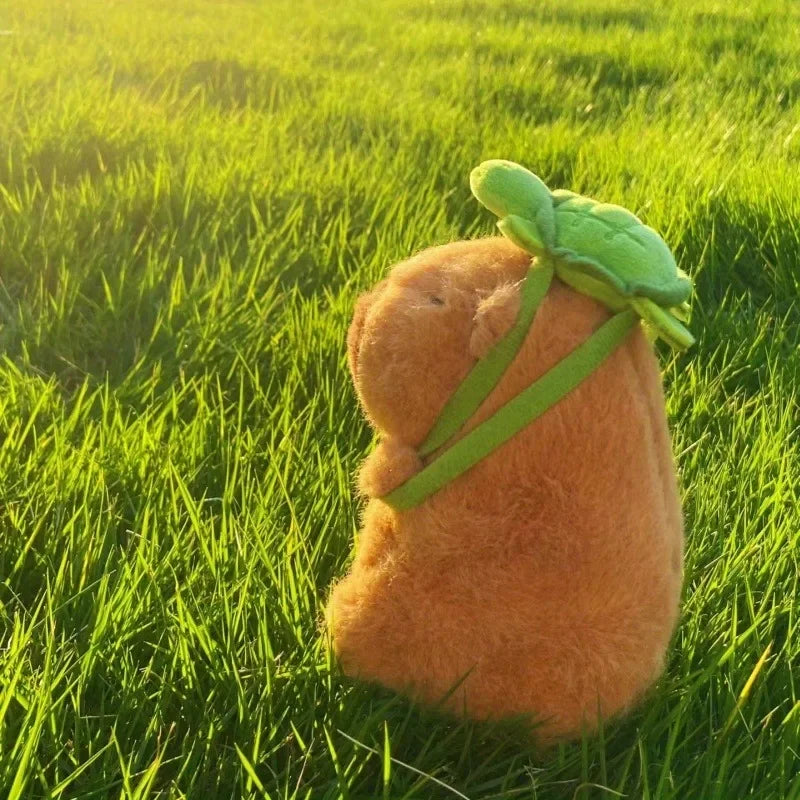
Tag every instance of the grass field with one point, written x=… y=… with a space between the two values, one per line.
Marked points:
x=192 y=194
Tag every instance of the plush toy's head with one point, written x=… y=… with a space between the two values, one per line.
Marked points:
x=417 y=333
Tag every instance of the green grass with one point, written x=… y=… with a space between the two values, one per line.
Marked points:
x=191 y=196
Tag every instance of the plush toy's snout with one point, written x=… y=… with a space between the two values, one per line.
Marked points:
x=356 y=329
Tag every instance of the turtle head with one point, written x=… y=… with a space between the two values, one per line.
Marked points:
x=520 y=199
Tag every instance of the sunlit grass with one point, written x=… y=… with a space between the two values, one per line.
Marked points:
x=191 y=196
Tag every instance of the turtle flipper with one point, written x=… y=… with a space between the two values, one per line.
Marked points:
x=523 y=233
x=670 y=329
x=682 y=312
x=586 y=283
x=569 y=262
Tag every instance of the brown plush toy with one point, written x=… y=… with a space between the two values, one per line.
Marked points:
x=515 y=561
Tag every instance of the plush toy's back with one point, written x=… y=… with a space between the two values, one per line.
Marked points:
x=545 y=580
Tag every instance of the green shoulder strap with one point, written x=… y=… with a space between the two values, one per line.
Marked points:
x=514 y=415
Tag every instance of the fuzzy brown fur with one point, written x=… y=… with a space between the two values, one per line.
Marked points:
x=545 y=580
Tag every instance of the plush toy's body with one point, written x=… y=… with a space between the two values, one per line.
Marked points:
x=544 y=580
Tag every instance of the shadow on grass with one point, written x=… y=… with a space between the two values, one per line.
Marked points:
x=59 y=161
x=500 y=756
x=524 y=103
x=513 y=13
x=226 y=84
x=618 y=76
x=745 y=250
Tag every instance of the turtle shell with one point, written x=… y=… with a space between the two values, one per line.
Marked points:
x=599 y=249
x=613 y=243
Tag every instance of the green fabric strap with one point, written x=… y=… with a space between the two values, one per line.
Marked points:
x=514 y=415
x=484 y=376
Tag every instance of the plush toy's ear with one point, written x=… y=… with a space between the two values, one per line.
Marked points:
x=494 y=317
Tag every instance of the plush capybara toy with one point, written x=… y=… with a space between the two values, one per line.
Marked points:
x=521 y=550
